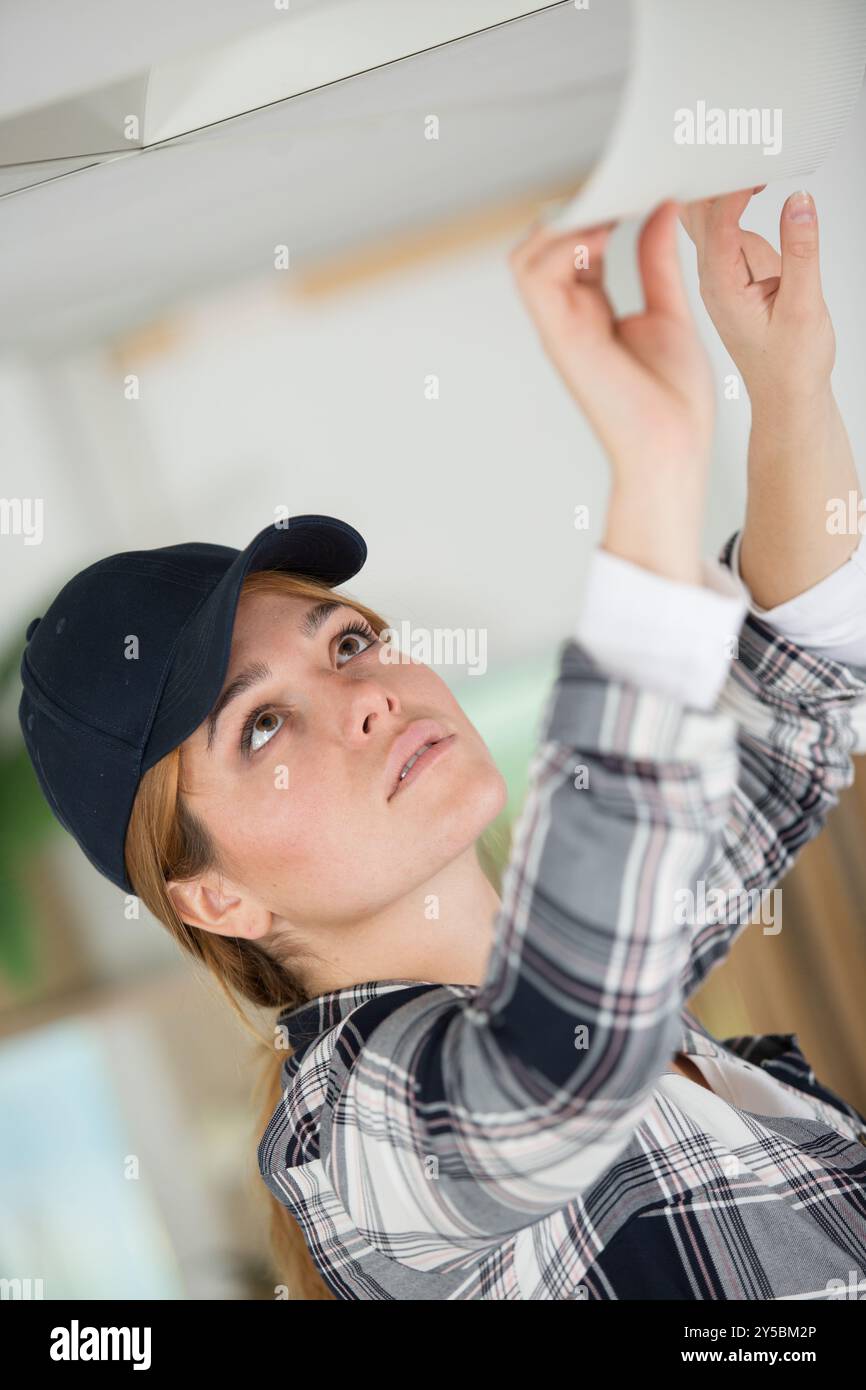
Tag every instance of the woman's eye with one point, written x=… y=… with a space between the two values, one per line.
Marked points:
x=350 y=635
x=259 y=734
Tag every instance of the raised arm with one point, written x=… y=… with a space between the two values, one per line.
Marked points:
x=768 y=308
x=796 y=688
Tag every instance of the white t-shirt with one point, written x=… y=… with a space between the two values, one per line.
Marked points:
x=736 y=1082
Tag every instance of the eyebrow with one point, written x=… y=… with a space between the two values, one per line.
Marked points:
x=259 y=671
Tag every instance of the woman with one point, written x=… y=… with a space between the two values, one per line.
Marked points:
x=475 y=1098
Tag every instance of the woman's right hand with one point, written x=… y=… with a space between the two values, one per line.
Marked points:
x=644 y=382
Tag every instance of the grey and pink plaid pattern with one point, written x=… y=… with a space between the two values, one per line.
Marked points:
x=509 y=1141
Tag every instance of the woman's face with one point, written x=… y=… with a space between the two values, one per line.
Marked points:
x=296 y=785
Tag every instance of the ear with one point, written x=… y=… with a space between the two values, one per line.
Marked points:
x=216 y=905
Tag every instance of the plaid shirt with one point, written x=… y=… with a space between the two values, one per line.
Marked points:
x=511 y=1140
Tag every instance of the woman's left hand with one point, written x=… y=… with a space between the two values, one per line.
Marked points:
x=770 y=313
x=768 y=308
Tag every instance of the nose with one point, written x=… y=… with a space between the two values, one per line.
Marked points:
x=368 y=710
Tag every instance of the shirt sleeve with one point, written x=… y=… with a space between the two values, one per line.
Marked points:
x=659 y=633
x=829 y=618
x=680 y=639
x=800 y=717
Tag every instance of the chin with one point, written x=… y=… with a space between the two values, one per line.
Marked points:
x=481 y=796
x=497 y=791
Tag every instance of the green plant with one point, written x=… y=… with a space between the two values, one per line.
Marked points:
x=26 y=822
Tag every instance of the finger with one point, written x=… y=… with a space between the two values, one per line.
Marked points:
x=703 y=210
x=588 y=251
x=697 y=214
x=800 y=287
x=518 y=252
x=567 y=264
x=693 y=217
x=659 y=263
x=542 y=239
x=535 y=237
x=764 y=260
x=544 y=248
x=722 y=261
x=560 y=281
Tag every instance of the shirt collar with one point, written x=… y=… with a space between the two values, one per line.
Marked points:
x=306 y=1022
x=309 y=1020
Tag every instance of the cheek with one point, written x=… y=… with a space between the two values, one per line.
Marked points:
x=283 y=817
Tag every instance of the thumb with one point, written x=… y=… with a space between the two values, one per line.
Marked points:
x=800 y=287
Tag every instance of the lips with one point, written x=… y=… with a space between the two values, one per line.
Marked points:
x=413 y=737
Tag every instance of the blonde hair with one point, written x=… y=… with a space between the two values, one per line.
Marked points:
x=165 y=840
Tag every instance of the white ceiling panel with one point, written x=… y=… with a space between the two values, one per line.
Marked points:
x=50 y=51
x=521 y=107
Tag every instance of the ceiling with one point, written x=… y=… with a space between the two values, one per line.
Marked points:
x=310 y=132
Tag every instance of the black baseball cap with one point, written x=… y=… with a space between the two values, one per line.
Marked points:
x=98 y=709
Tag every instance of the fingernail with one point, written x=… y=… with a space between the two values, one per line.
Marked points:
x=800 y=207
